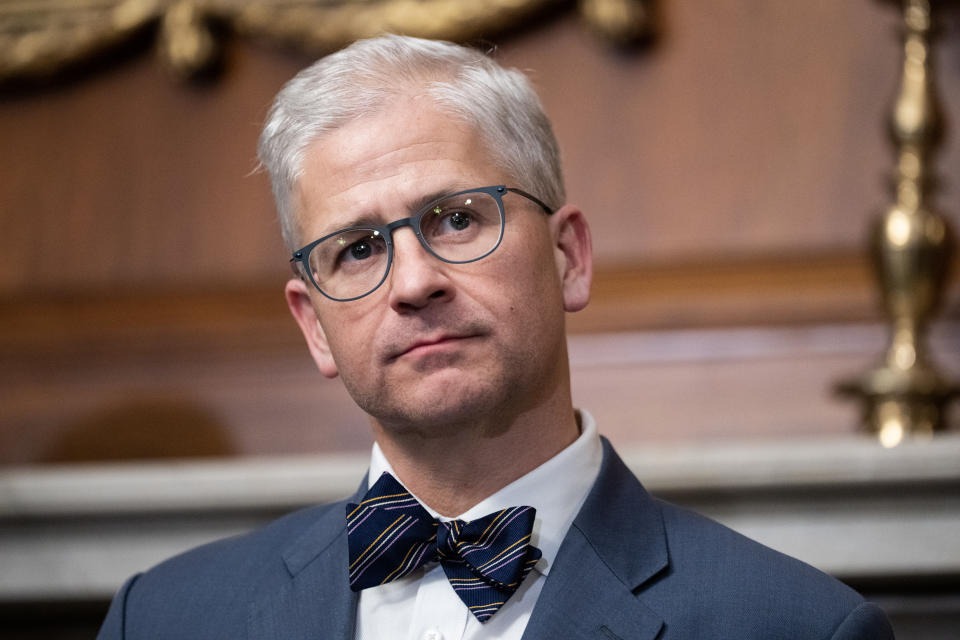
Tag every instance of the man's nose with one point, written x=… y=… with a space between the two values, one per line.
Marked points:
x=417 y=278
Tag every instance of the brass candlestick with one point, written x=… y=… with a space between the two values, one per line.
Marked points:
x=911 y=246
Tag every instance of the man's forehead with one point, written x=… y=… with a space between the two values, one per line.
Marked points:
x=401 y=122
x=386 y=165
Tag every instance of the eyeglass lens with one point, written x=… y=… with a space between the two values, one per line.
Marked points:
x=459 y=228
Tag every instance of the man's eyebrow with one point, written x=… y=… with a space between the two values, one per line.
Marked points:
x=423 y=201
x=370 y=219
x=363 y=220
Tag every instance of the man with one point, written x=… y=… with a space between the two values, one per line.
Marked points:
x=420 y=191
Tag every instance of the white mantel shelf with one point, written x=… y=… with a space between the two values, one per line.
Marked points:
x=847 y=506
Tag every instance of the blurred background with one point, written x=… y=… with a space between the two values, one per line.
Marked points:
x=731 y=159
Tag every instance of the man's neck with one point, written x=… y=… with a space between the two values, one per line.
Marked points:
x=452 y=473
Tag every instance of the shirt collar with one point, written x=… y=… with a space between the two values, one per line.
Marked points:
x=556 y=489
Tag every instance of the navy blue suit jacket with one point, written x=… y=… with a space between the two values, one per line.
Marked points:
x=631 y=567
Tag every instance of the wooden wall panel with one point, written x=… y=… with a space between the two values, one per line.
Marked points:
x=129 y=179
x=729 y=172
x=149 y=400
x=751 y=128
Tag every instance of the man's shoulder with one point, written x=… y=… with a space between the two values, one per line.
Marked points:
x=213 y=585
x=701 y=546
x=255 y=551
x=727 y=580
x=703 y=579
x=698 y=549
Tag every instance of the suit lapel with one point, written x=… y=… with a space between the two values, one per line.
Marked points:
x=615 y=545
x=316 y=601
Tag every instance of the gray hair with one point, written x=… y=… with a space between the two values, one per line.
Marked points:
x=358 y=80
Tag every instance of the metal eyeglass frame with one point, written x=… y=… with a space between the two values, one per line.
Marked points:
x=299 y=261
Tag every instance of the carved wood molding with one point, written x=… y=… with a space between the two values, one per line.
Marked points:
x=39 y=37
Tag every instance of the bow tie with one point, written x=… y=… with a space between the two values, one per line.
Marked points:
x=390 y=535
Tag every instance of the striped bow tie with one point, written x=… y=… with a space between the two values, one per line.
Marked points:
x=391 y=535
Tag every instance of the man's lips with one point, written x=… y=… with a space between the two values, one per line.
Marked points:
x=427 y=345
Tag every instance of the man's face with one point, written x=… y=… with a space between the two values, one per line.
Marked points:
x=437 y=344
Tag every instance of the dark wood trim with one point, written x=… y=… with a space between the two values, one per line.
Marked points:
x=821 y=289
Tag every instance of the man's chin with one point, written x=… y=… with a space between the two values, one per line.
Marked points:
x=440 y=410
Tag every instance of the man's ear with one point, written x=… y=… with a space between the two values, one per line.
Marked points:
x=574 y=255
x=298 y=299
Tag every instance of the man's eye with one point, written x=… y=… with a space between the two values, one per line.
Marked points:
x=458 y=220
x=360 y=250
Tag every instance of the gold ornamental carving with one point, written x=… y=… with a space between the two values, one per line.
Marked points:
x=911 y=246
x=40 y=37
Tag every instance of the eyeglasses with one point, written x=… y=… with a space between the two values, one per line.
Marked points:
x=462 y=227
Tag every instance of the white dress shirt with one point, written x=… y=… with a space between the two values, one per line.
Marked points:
x=423 y=605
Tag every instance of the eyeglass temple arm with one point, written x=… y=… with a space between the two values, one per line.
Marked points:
x=532 y=198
